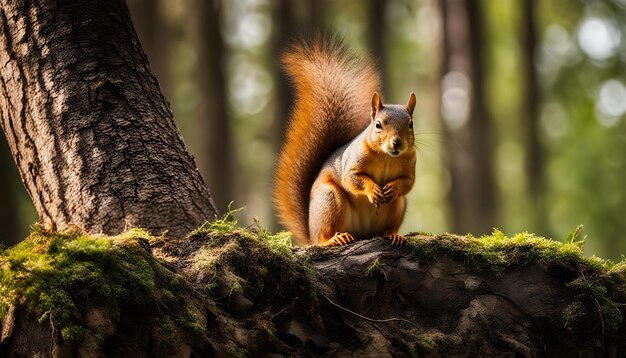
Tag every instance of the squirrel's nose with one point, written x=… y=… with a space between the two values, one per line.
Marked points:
x=396 y=142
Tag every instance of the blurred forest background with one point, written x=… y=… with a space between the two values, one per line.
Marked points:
x=520 y=116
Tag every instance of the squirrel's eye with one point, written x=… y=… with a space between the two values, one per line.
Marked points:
x=378 y=124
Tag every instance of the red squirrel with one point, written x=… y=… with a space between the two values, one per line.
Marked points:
x=348 y=160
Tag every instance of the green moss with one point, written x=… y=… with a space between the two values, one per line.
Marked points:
x=593 y=304
x=167 y=335
x=236 y=289
x=412 y=352
x=168 y=295
x=572 y=314
x=53 y=274
x=598 y=286
x=189 y=321
x=426 y=342
x=73 y=333
x=251 y=262
x=495 y=251
x=247 y=263
x=236 y=353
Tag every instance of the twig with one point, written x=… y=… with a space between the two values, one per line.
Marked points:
x=371 y=319
x=283 y=310
x=52 y=334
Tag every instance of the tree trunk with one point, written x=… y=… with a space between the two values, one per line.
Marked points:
x=283 y=35
x=376 y=37
x=473 y=194
x=8 y=198
x=90 y=131
x=292 y=21
x=154 y=34
x=217 y=151
x=534 y=162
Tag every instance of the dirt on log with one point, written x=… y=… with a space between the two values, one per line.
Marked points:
x=244 y=292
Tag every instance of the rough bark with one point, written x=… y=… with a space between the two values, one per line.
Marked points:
x=473 y=193
x=442 y=306
x=90 y=131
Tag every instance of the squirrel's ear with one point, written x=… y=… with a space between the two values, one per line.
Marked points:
x=410 y=106
x=377 y=104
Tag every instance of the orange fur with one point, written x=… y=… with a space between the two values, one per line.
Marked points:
x=347 y=162
x=332 y=91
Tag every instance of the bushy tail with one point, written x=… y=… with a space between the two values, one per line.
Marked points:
x=333 y=90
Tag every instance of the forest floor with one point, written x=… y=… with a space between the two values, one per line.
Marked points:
x=230 y=291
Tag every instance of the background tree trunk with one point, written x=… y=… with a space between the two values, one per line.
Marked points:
x=472 y=196
x=217 y=158
x=376 y=35
x=8 y=198
x=534 y=162
x=154 y=33
x=90 y=131
x=293 y=21
x=284 y=33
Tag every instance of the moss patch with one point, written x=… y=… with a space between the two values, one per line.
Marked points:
x=598 y=286
x=249 y=262
x=57 y=274
x=264 y=285
x=250 y=273
x=496 y=251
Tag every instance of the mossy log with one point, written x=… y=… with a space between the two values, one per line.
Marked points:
x=224 y=291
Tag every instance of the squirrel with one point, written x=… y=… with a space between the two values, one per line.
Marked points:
x=348 y=159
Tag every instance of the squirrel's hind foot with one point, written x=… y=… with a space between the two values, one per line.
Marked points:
x=340 y=239
x=396 y=239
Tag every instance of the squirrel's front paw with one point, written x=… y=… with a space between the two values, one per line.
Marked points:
x=376 y=196
x=340 y=239
x=396 y=239
x=390 y=192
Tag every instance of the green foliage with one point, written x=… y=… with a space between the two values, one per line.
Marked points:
x=223 y=225
x=572 y=238
x=373 y=269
